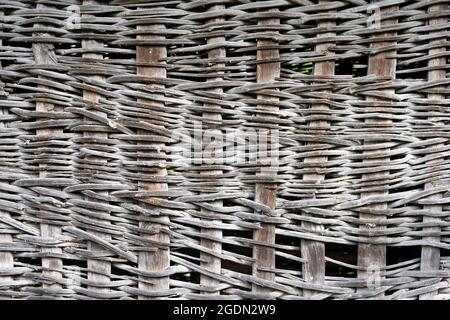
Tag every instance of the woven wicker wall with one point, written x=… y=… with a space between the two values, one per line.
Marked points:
x=100 y=196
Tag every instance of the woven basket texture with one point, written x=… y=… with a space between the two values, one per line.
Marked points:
x=110 y=111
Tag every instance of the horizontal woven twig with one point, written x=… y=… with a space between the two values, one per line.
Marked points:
x=105 y=195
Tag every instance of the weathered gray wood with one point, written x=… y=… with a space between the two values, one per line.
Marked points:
x=157 y=260
x=430 y=256
x=372 y=258
x=209 y=261
x=265 y=193
x=364 y=159
x=6 y=258
x=314 y=252
x=44 y=53
x=98 y=269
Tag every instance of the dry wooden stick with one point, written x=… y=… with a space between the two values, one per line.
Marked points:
x=44 y=54
x=313 y=251
x=430 y=257
x=159 y=259
x=6 y=258
x=98 y=269
x=265 y=193
x=372 y=258
x=211 y=262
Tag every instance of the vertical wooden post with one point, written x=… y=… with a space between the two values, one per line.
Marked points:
x=265 y=192
x=430 y=257
x=97 y=268
x=373 y=257
x=6 y=258
x=158 y=260
x=210 y=262
x=44 y=54
x=313 y=251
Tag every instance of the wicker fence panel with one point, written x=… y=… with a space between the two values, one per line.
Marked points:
x=225 y=149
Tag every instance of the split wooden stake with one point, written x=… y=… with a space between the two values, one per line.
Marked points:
x=313 y=251
x=265 y=193
x=430 y=257
x=6 y=258
x=210 y=262
x=372 y=258
x=97 y=269
x=44 y=54
x=159 y=259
